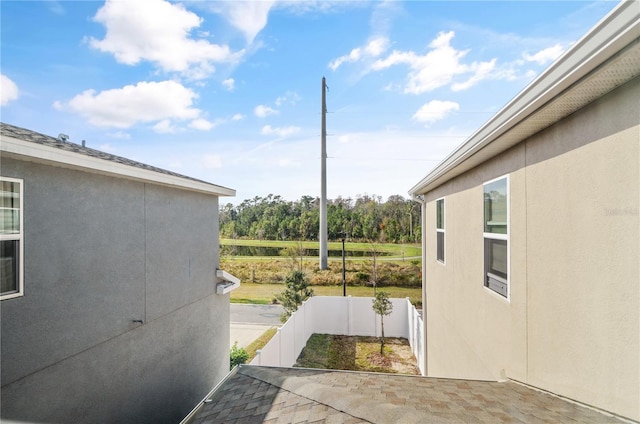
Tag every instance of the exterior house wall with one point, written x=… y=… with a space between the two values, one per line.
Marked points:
x=571 y=324
x=99 y=253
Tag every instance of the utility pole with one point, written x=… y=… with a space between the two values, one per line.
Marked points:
x=344 y=277
x=323 y=181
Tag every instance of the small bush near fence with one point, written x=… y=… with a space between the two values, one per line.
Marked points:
x=238 y=356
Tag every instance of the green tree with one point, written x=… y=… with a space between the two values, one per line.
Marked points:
x=296 y=291
x=365 y=217
x=382 y=306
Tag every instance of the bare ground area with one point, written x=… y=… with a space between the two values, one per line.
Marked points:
x=358 y=353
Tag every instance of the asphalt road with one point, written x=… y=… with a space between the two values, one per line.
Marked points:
x=256 y=314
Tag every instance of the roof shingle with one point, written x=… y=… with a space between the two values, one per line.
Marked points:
x=292 y=395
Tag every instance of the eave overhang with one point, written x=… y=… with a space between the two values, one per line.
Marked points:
x=12 y=147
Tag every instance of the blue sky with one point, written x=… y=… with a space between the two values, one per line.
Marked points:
x=229 y=92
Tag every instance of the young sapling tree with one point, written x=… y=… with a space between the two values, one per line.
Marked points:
x=382 y=306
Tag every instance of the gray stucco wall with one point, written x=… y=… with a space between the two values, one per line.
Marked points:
x=100 y=252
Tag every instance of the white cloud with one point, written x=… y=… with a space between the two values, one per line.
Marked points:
x=374 y=48
x=545 y=56
x=290 y=97
x=262 y=111
x=143 y=102
x=212 y=161
x=288 y=163
x=436 y=68
x=377 y=46
x=202 y=124
x=229 y=84
x=280 y=131
x=250 y=17
x=434 y=111
x=165 y=127
x=121 y=135
x=480 y=71
x=238 y=117
x=56 y=7
x=353 y=56
x=158 y=31
x=383 y=15
x=8 y=90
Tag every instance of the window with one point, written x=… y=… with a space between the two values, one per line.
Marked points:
x=440 y=230
x=496 y=236
x=11 y=232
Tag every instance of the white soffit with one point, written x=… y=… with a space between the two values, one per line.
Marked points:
x=605 y=58
x=14 y=147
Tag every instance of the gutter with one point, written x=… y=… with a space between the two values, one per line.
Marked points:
x=207 y=398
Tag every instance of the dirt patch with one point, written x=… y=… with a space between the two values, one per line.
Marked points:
x=405 y=362
x=358 y=353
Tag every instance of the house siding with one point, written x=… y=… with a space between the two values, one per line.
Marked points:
x=571 y=324
x=100 y=252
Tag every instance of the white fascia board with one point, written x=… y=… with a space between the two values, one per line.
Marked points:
x=67 y=159
x=614 y=32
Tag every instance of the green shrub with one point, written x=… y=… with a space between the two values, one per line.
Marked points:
x=238 y=355
x=296 y=291
x=362 y=277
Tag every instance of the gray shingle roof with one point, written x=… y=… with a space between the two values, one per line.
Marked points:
x=8 y=130
x=292 y=395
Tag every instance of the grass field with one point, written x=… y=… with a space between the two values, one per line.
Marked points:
x=262 y=278
x=358 y=353
x=358 y=272
x=264 y=293
x=393 y=251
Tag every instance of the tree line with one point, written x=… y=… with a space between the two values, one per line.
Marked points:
x=364 y=218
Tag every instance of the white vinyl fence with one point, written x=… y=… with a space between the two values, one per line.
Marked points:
x=349 y=316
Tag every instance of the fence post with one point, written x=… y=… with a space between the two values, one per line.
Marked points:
x=349 y=316
x=304 y=321
x=293 y=330
x=279 y=346
x=409 y=321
